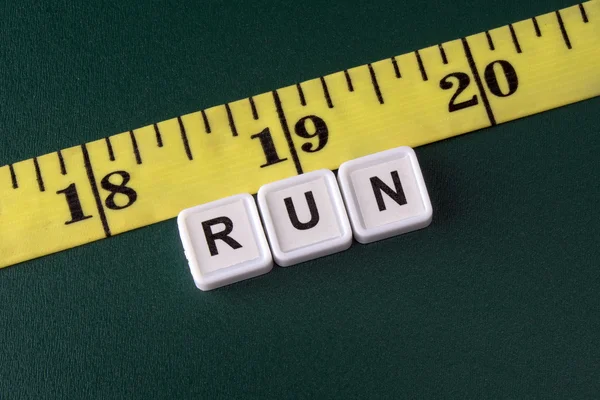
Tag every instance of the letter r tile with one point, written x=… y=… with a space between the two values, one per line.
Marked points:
x=385 y=194
x=304 y=217
x=224 y=242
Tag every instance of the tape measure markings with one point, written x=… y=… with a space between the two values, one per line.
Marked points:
x=563 y=30
x=159 y=142
x=443 y=54
x=136 y=150
x=515 y=40
x=286 y=132
x=421 y=65
x=184 y=139
x=490 y=41
x=375 y=84
x=94 y=187
x=583 y=13
x=111 y=154
x=206 y=123
x=253 y=108
x=348 y=81
x=396 y=67
x=538 y=32
x=38 y=175
x=475 y=72
x=328 y=96
x=61 y=162
x=301 y=94
x=13 y=177
x=326 y=92
x=314 y=124
x=230 y=119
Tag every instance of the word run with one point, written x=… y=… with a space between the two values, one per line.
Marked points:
x=305 y=217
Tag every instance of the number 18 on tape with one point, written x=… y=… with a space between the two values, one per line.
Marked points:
x=305 y=217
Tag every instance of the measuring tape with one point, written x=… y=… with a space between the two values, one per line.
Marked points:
x=126 y=181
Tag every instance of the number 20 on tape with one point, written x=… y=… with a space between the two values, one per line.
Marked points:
x=142 y=176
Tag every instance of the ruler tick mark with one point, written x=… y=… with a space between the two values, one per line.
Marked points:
x=230 y=119
x=38 y=175
x=90 y=174
x=583 y=13
x=348 y=80
x=375 y=84
x=158 y=136
x=515 y=40
x=421 y=66
x=111 y=154
x=13 y=176
x=538 y=32
x=205 y=120
x=61 y=162
x=326 y=92
x=563 y=30
x=443 y=54
x=286 y=131
x=253 y=107
x=489 y=40
x=184 y=139
x=473 y=67
x=396 y=68
x=134 y=145
x=301 y=94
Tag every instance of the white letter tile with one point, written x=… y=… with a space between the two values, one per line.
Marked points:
x=224 y=242
x=304 y=217
x=385 y=194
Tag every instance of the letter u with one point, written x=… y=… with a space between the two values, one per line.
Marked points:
x=312 y=207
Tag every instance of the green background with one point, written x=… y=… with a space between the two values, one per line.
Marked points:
x=497 y=298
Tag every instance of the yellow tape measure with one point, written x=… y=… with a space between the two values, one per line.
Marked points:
x=126 y=181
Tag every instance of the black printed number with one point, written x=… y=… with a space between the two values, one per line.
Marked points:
x=463 y=82
x=74 y=204
x=309 y=127
x=509 y=73
x=118 y=189
x=491 y=73
x=320 y=131
x=266 y=142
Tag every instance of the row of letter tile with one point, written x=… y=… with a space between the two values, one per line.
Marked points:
x=305 y=217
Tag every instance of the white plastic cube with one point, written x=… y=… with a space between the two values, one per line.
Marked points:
x=224 y=242
x=304 y=217
x=385 y=194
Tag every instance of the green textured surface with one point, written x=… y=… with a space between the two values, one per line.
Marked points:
x=498 y=298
